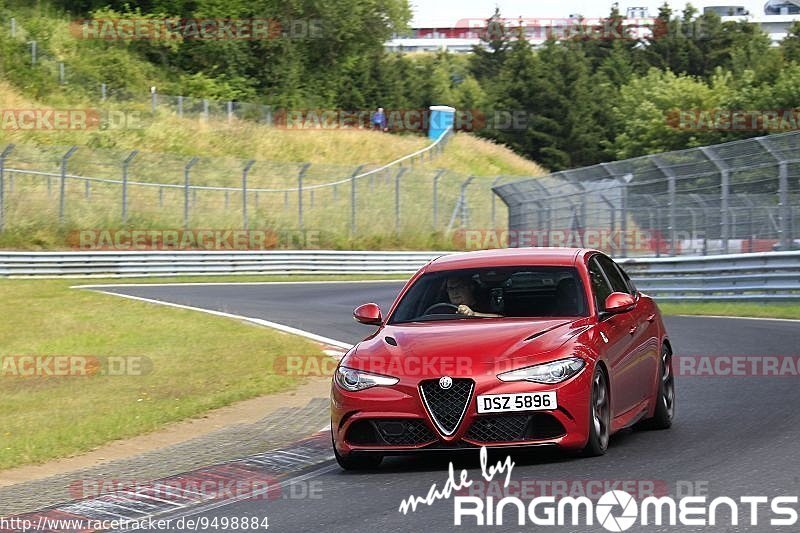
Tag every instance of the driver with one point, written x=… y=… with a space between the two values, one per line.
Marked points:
x=461 y=292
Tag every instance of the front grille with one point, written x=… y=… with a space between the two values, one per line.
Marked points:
x=389 y=432
x=515 y=428
x=447 y=406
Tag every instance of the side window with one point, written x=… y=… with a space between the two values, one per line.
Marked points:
x=631 y=287
x=600 y=287
x=618 y=283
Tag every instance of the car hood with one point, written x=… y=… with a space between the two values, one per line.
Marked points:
x=464 y=347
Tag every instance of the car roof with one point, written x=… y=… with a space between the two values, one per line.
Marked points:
x=531 y=256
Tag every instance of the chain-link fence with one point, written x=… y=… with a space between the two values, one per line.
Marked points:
x=84 y=188
x=741 y=196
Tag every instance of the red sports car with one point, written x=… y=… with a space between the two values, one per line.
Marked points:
x=502 y=348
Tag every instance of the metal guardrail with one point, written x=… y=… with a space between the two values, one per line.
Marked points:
x=770 y=276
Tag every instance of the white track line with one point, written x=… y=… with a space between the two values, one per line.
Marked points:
x=259 y=321
x=212 y=283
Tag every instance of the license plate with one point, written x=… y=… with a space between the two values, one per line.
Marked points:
x=526 y=401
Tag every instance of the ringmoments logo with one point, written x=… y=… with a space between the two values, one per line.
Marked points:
x=615 y=510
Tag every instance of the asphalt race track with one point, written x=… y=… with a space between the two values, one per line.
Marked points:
x=733 y=436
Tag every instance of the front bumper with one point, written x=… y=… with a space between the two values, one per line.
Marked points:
x=394 y=420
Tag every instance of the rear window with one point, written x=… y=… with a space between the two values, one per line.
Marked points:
x=524 y=291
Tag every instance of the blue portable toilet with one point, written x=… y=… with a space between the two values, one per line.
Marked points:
x=441 y=119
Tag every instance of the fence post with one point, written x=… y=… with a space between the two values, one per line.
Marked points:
x=205 y=108
x=62 y=192
x=784 y=206
x=230 y=110
x=244 y=192
x=180 y=105
x=125 y=165
x=33 y=52
x=86 y=189
x=153 y=98
x=300 y=175
x=436 y=198
x=353 y=200
x=464 y=207
x=671 y=190
x=494 y=197
x=13 y=27
x=102 y=92
x=724 y=184
x=61 y=76
x=624 y=180
x=186 y=170
x=400 y=172
x=3 y=156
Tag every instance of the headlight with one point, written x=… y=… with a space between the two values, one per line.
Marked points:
x=552 y=372
x=356 y=380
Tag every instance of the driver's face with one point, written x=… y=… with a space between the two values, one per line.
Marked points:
x=460 y=292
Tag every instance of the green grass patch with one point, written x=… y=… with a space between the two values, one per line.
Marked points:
x=756 y=310
x=199 y=362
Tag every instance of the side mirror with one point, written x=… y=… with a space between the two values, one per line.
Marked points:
x=368 y=314
x=619 y=302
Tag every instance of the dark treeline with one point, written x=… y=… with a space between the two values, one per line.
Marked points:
x=585 y=99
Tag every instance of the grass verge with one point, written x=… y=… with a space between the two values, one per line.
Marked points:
x=199 y=362
x=755 y=310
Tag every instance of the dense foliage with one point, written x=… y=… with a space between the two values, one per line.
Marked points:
x=577 y=101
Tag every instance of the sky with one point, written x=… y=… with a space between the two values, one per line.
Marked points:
x=445 y=13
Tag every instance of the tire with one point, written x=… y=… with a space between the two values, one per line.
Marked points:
x=357 y=462
x=665 y=402
x=599 y=415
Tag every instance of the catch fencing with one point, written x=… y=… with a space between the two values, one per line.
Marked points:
x=91 y=188
x=741 y=196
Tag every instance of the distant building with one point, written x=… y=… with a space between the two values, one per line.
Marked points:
x=466 y=33
x=727 y=11
x=637 y=13
x=782 y=7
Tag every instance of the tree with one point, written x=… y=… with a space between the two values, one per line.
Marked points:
x=488 y=58
x=662 y=111
x=790 y=46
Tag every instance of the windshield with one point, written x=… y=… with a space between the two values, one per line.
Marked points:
x=525 y=291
